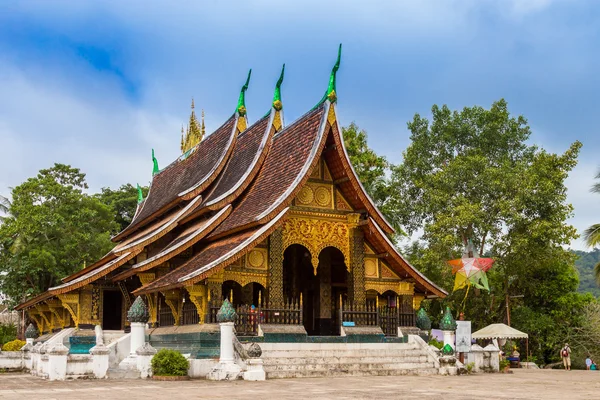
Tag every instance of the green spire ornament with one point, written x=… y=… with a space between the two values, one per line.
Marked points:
x=423 y=320
x=277 y=105
x=31 y=332
x=447 y=350
x=448 y=323
x=226 y=312
x=138 y=312
x=155 y=169
x=140 y=194
x=331 y=95
x=241 y=107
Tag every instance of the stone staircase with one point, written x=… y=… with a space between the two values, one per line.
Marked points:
x=295 y=360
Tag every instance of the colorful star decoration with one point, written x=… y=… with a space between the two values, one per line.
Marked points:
x=471 y=271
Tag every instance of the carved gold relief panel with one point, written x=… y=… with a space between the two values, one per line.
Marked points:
x=371 y=267
x=318 y=195
x=316 y=234
x=381 y=287
x=387 y=273
x=257 y=258
x=244 y=278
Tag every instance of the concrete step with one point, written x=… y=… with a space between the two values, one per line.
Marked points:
x=348 y=366
x=360 y=372
x=417 y=358
x=341 y=353
x=118 y=373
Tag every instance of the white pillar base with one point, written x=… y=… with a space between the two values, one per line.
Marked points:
x=57 y=362
x=255 y=370
x=144 y=360
x=225 y=372
x=99 y=360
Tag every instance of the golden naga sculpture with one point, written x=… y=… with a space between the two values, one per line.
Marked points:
x=194 y=133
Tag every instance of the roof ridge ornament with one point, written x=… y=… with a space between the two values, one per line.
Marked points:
x=241 y=107
x=155 y=169
x=331 y=94
x=277 y=105
x=140 y=194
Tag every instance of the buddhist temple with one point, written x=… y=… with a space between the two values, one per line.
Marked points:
x=268 y=215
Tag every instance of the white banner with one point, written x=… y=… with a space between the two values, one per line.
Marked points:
x=463 y=336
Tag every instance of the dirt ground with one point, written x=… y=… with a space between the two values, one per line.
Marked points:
x=522 y=384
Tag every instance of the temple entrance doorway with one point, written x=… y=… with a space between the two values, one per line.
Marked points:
x=320 y=293
x=332 y=275
x=299 y=281
x=111 y=312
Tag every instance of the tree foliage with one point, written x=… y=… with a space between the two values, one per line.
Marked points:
x=471 y=175
x=586 y=260
x=52 y=228
x=372 y=170
x=123 y=202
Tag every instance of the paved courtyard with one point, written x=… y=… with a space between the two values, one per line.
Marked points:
x=523 y=384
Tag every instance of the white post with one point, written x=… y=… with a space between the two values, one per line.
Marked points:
x=144 y=360
x=227 y=369
x=99 y=360
x=226 y=356
x=449 y=338
x=138 y=336
x=57 y=362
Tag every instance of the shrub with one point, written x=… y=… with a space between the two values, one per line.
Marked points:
x=8 y=332
x=470 y=367
x=15 y=345
x=435 y=343
x=169 y=363
x=503 y=364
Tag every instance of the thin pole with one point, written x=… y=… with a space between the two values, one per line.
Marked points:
x=527 y=349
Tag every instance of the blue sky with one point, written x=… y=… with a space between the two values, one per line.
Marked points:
x=97 y=84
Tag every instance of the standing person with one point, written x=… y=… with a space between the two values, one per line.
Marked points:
x=565 y=353
x=588 y=362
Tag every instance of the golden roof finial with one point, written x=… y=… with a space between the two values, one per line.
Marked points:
x=203 y=127
x=193 y=103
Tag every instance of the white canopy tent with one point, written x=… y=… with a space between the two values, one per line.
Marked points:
x=499 y=331
x=502 y=332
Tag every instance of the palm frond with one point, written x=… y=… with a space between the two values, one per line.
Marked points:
x=596 y=186
x=592 y=235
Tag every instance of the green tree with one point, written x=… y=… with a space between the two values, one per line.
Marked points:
x=52 y=228
x=123 y=202
x=470 y=175
x=372 y=170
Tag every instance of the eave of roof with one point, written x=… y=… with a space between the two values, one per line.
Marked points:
x=93 y=275
x=183 y=241
x=377 y=237
x=214 y=257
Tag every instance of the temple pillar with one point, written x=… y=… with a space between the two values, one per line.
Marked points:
x=215 y=288
x=356 y=291
x=324 y=275
x=174 y=300
x=275 y=276
x=198 y=296
x=85 y=309
x=151 y=298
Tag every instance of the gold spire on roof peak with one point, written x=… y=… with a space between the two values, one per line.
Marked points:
x=194 y=132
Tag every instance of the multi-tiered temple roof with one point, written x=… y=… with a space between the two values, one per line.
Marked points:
x=230 y=191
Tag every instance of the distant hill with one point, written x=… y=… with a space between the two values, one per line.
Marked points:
x=585 y=265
